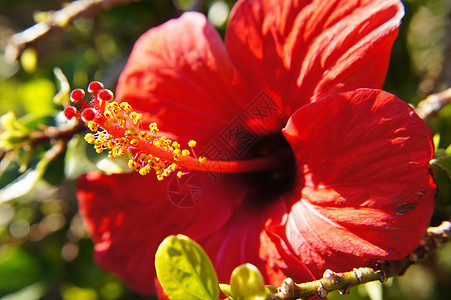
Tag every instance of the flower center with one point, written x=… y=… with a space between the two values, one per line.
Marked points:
x=267 y=185
x=119 y=129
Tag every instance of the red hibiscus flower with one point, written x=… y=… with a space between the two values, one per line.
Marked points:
x=315 y=168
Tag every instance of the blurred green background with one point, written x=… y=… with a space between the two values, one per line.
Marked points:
x=44 y=250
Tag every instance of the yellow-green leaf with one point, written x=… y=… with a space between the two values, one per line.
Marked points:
x=226 y=290
x=443 y=164
x=185 y=270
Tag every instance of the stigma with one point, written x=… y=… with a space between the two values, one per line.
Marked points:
x=117 y=128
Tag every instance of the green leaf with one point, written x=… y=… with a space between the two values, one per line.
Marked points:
x=185 y=270
x=34 y=291
x=374 y=290
x=184 y=4
x=37 y=95
x=76 y=160
x=247 y=283
x=18 y=269
x=21 y=185
x=25 y=182
x=443 y=164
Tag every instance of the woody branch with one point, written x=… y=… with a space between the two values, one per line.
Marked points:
x=331 y=281
x=433 y=104
x=55 y=20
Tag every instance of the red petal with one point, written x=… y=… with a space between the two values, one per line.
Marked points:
x=179 y=74
x=240 y=240
x=367 y=192
x=301 y=51
x=129 y=215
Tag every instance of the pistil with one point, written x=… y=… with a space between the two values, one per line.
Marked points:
x=119 y=129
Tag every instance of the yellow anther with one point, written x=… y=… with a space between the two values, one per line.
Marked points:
x=122 y=141
x=132 y=131
x=136 y=117
x=122 y=117
x=185 y=152
x=98 y=149
x=144 y=171
x=142 y=158
x=202 y=159
x=175 y=145
x=99 y=141
x=192 y=143
x=125 y=106
x=176 y=157
x=165 y=143
x=107 y=114
x=152 y=164
x=111 y=144
x=110 y=121
x=89 y=137
x=115 y=110
x=93 y=126
x=145 y=135
x=177 y=151
x=153 y=128
x=134 y=142
x=113 y=105
x=131 y=164
x=179 y=174
x=119 y=152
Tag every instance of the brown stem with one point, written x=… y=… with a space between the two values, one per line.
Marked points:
x=54 y=133
x=55 y=20
x=331 y=281
x=433 y=104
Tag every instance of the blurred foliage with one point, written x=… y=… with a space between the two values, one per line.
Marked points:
x=44 y=250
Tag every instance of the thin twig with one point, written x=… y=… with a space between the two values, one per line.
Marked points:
x=331 y=281
x=433 y=104
x=50 y=133
x=55 y=20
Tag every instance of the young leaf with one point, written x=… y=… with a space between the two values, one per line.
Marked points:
x=185 y=270
x=270 y=289
x=247 y=283
x=443 y=164
x=374 y=290
x=226 y=290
